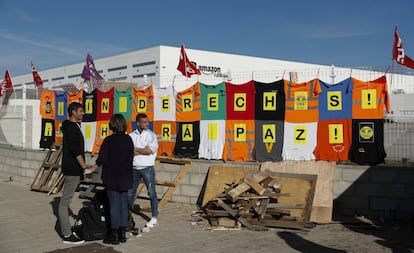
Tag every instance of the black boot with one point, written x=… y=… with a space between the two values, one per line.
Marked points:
x=112 y=237
x=131 y=223
x=121 y=234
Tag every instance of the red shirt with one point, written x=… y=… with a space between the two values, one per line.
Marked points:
x=105 y=104
x=240 y=101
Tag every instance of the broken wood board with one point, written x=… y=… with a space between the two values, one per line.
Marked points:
x=242 y=220
x=249 y=181
x=276 y=223
x=322 y=205
x=227 y=222
x=220 y=176
x=254 y=184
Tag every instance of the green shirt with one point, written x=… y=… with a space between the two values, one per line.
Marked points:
x=123 y=103
x=213 y=101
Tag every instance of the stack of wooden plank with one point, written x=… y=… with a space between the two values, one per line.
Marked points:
x=49 y=177
x=255 y=203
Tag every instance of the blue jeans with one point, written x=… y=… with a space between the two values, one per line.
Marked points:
x=148 y=174
x=118 y=203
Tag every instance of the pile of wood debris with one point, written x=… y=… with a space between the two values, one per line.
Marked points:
x=254 y=203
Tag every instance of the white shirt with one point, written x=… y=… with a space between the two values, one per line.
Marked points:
x=164 y=103
x=88 y=130
x=145 y=139
x=212 y=138
x=299 y=141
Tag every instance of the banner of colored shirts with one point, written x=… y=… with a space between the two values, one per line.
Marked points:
x=258 y=121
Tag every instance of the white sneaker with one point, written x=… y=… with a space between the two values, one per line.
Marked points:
x=152 y=223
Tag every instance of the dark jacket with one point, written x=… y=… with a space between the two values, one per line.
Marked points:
x=73 y=145
x=116 y=156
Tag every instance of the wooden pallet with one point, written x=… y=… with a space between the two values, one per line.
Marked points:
x=49 y=176
x=186 y=165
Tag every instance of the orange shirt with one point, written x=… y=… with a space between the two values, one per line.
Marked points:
x=102 y=131
x=302 y=101
x=58 y=132
x=188 y=104
x=129 y=126
x=239 y=144
x=75 y=97
x=48 y=104
x=369 y=99
x=166 y=132
x=143 y=102
x=334 y=140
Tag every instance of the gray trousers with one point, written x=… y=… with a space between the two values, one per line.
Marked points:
x=70 y=183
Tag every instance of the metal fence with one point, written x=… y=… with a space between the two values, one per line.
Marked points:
x=21 y=127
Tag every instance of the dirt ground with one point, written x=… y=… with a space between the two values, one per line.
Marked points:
x=28 y=224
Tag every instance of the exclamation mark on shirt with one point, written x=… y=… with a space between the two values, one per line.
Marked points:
x=336 y=133
x=369 y=98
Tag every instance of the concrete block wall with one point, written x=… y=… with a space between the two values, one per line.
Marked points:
x=380 y=191
x=20 y=164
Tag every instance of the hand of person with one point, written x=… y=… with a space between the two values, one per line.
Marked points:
x=89 y=169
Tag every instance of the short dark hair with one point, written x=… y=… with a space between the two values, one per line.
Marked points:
x=118 y=124
x=141 y=116
x=74 y=106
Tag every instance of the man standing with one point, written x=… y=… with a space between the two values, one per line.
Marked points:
x=145 y=151
x=73 y=168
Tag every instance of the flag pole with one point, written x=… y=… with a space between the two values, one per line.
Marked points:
x=392 y=60
x=15 y=96
x=24 y=116
x=185 y=62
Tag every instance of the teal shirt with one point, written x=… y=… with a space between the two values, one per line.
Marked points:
x=213 y=101
x=123 y=103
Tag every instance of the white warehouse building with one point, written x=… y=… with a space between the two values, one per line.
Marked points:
x=158 y=65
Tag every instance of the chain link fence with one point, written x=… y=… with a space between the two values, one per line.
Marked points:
x=20 y=125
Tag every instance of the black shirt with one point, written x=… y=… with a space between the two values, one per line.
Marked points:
x=367 y=142
x=188 y=139
x=116 y=157
x=48 y=133
x=73 y=146
x=90 y=106
x=269 y=101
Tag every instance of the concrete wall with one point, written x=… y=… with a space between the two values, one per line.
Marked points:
x=379 y=191
x=20 y=164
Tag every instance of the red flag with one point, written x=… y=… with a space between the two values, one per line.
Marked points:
x=6 y=85
x=185 y=66
x=36 y=78
x=398 y=53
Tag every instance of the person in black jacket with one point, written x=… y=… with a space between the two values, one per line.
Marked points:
x=115 y=157
x=73 y=168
